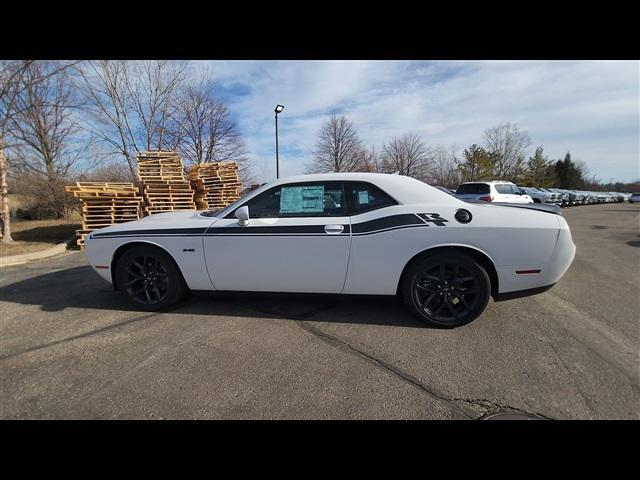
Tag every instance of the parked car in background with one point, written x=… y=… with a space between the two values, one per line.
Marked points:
x=555 y=199
x=493 y=191
x=634 y=197
x=575 y=197
x=539 y=196
x=564 y=199
x=619 y=197
x=590 y=198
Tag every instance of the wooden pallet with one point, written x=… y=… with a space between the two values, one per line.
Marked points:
x=165 y=186
x=105 y=204
x=215 y=184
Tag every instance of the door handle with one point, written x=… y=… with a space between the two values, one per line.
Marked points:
x=333 y=229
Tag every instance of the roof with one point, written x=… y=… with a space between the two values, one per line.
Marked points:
x=490 y=182
x=404 y=189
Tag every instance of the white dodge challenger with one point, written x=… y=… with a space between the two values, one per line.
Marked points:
x=342 y=233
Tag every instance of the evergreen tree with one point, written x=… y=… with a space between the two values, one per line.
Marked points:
x=538 y=172
x=569 y=174
x=478 y=164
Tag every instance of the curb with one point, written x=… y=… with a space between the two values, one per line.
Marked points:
x=27 y=257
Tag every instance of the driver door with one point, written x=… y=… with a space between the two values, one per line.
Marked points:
x=297 y=240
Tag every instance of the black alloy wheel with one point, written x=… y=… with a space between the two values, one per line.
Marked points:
x=149 y=278
x=447 y=290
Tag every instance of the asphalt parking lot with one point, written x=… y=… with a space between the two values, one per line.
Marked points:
x=70 y=348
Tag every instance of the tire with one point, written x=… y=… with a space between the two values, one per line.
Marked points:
x=432 y=293
x=149 y=278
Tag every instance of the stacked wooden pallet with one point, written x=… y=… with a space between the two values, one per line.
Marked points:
x=165 y=186
x=216 y=184
x=104 y=204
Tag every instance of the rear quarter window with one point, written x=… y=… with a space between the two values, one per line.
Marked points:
x=504 y=188
x=365 y=197
x=473 y=189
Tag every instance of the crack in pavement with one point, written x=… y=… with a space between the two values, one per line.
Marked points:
x=458 y=411
x=492 y=407
x=81 y=335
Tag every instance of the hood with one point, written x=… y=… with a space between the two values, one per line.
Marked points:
x=178 y=219
x=170 y=217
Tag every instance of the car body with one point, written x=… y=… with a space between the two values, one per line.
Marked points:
x=634 y=197
x=343 y=233
x=493 y=191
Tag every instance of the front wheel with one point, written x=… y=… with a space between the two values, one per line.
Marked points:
x=149 y=278
x=447 y=290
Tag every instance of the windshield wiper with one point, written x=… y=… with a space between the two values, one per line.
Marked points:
x=211 y=213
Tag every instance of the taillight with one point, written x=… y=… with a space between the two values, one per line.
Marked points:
x=486 y=199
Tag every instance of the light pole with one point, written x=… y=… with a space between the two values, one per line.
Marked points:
x=278 y=109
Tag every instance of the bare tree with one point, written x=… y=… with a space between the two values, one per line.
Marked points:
x=509 y=145
x=12 y=83
x=338 y=148
x=202 y=129
x=408 y=155
x=152 y=88
x=11 y=74
x=107 y=171
x=130 y=102
x=370 y=160
x=445 y=171
x=42 y=131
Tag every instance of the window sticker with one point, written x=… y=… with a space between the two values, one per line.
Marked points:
x=303 y=199
x=363 y=197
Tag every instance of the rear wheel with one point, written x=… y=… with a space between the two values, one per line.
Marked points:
x=447 y=290
x=149 y=278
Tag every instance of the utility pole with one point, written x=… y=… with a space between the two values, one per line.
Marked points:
x=278 y=109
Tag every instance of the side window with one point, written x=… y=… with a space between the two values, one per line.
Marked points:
x=299 y=200
x=365 y=197
x=505 y=189
x=515 y=189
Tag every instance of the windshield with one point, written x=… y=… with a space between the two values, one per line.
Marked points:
x=221 y=212
x=473 y=188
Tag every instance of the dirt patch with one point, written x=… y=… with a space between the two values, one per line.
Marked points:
x=35 y=235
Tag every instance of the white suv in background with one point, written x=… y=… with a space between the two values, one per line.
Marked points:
x=495 y=191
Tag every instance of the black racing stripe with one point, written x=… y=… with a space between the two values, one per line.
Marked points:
x=271 y=230
x=151 y=232
x=393 y=222
x=387 y=222
x=402 y=227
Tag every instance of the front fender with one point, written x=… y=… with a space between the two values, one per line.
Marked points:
x=186 y=251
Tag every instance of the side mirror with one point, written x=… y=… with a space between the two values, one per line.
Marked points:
x=523 y=192
x=242 y=214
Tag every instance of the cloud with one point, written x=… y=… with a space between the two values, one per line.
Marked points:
x=588 y=107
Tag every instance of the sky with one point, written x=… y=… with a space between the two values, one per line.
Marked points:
x=590 y=108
